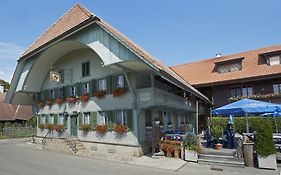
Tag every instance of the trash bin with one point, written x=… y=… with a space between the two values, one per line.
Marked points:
x=248 y=151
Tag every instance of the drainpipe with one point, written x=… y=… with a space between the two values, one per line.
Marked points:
x=197 y=114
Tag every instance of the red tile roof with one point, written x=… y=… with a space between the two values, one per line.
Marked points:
x=10 y=112
x=78 y=15
x=202 y=73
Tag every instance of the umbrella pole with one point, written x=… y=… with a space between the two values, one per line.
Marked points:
x=247 y=123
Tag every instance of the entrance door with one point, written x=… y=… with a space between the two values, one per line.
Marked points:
x=73 y=125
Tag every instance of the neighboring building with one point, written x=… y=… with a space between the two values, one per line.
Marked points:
x=81 y=54
x=253 y=74
x=13 y=113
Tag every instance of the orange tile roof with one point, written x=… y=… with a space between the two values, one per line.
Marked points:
x=10 y=112
x=78 y=15
x=202 y=73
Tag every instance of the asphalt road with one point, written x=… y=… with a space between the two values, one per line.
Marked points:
x=19 y=160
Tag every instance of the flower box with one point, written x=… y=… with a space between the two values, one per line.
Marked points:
x=100 y=94
x=71 y=99
x=59 y=100
x=85 y=127
x=49 y=102
x=41 y=104
x=85 y=97
x=120 y=129
x=101 y=129
x=119 y=92
x=49 y=126
x=41 y=126
x=59 y=128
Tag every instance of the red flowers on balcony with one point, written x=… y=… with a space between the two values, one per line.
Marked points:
x=101 y=129
x=85 y=97
x=120 y=129
x=100 y=94
x=71 y=99
x=49 y=102
x=59 y=100
x=41 y=104
x=255 y=97
x=119 y=91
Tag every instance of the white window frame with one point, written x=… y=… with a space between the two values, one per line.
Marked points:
x=102 y=119
x=86 y=73
x=120 y=81
x=72 y=90
x=42 y=119
x=61 y=119
x=86 y=88
x=274 y=60
x=278 y=88
x=123 y=116
x=51 y=119
x=86 y=118
x=102 y=84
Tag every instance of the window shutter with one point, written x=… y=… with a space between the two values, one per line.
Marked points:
x=93 y=118
x=109 y=85
x=130 y=120
x=111 y=121
x=65 y=122
x=65 y=92
x=93 y=86
x=46 y=119
x=78 y=89
x=114 y=82
x=125 y=82
x=56 y=119
x=80 y=118
x=46 y=95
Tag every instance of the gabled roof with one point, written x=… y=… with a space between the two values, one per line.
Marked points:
x=10 y=112
x=78 y=16
x=203 y=73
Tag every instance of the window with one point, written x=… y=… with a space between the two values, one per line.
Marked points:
x=72 y=91
x=86 y=88
x=229 y=67
x=52 y=94
x=85 y=69
x=86 y=118
x=51 y=119
x=277 y=88
x=244 y=91
x=42 y=121
x=120 y=81
x=102 y=85
x=102 y=119
x=121 y=117
x=274 y=60
x=235 y=92
x=61 y=119
x=61 y=92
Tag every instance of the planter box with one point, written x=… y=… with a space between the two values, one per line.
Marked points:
x=268 y=162
x=190 y=155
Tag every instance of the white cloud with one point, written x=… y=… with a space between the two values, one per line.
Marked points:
x=9 y=54
x=10 y=51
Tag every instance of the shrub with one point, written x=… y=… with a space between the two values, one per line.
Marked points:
x=216 y=131
x=264 y=142
x=190 y=142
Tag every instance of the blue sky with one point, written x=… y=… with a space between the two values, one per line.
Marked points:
x=174 y=31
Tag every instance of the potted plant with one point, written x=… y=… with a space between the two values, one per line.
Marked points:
x=71 y=99
x=49 y=126
x=217 y=133
x=177 y=149
x=119 y=91
x=85 y=127
x=41 y=104
x=191 y=147
x=41 y=126
x=49 y=102
x=168 y=148
x=59 y=100
x=170 y=124
x=101 y=129
x=59 y=128
x=85 y=97
x=100 y=94
x=265 y=146
x=120 y=129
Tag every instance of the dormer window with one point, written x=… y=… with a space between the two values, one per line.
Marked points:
x=229 y=65
x=274 y=60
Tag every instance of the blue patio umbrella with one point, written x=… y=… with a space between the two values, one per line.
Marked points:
x=247 y=106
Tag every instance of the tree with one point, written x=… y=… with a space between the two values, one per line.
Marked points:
x=5 y=84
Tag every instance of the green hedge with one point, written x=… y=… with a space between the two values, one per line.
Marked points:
x=254 y=123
